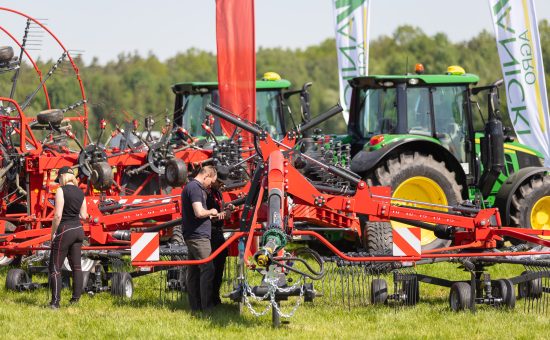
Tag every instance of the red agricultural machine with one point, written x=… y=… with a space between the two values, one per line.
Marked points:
x=287 y=190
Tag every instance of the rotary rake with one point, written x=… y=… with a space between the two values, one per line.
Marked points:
x=283 y=204
x=131 y=180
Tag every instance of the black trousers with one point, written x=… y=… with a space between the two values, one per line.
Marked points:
x=216 y=241
x=199 y=278
x=67 y=242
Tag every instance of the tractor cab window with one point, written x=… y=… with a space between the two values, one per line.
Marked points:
x=450 y=123
x=378 y=111
x=268 y=109
x=194 y=113
x=418 y=111
x=268 y=112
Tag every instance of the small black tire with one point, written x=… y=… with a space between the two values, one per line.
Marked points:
x=175 y=172
x=6 y=54
x=411 y=289
x=102 y=176
x=459 y=297
x=52 y=116
x=530 y=289
x=504 y=289
x=122 y=285
x=15 y=278
x=378 y=291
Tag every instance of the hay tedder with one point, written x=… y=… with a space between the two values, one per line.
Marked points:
x=289 y=187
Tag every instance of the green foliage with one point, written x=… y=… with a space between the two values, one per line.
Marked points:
x=134 y=86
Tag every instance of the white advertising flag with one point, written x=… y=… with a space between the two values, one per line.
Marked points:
x=352 y=44
x=518 y=44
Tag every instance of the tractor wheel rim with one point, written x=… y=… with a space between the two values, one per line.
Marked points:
x=540 y=215
x=128 y=289
x=421 y=189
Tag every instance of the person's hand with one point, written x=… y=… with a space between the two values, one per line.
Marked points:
x=213 y=212
x=230 y=207
x=221 y=216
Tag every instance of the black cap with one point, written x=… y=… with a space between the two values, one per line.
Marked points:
x=63 y=170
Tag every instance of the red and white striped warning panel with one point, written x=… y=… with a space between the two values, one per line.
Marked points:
x=144 y=246
x=406 y=241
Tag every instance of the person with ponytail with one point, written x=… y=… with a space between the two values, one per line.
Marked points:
x=67 y=234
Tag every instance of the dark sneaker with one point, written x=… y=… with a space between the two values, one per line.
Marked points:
x=73 y=301
x=54 y=307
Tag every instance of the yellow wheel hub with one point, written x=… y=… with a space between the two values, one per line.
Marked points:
x=540 y=215
x=421 y=189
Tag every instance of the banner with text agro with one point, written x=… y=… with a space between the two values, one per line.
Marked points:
x=352 y=44
x=518 y=44
x=236 y=60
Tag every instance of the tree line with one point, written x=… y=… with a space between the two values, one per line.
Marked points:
x=134 y=86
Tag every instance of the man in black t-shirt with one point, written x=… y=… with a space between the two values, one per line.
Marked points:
x=196 y=232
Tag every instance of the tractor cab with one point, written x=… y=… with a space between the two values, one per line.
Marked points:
x=192 y=98
x=392 y=108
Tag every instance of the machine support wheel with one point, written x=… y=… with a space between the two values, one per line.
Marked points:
x=530 y=289
x=504 y=289
x=15 y=278
x=459 y=298
x=411 y=288
x=419 y=177
x=378 y=291
x=122 y=285
x=530 y=207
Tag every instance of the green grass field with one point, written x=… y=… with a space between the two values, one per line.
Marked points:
x=23 y=315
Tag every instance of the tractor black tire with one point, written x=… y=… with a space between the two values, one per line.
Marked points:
x=404 y=166
x=15 y=277
x=53 y=116
x=6 y=54
x=411 y=289
x=177 y=235
x=504 y=289
x=459 y=297
x=525 y=199
x=377 y=237
x=378 y=291
x=122 y=285
x=530 y=289
x=175 y=172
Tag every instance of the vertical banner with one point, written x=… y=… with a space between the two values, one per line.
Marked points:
x=236 y=60
x=352 y=44
x=518 y=44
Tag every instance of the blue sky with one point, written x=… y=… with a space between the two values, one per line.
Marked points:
x=105 y=28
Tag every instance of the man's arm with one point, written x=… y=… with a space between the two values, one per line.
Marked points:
x=200 y=212
x=58 y=211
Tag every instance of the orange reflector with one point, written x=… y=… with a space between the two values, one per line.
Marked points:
x=376 y=140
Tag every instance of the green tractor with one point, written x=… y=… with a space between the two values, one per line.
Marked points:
x=272 y=111
x=416 y=134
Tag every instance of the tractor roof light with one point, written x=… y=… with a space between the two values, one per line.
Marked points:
x=419 y=68
x=413 y=81
x=271 y=76
x=375 y=140
x=455 y=70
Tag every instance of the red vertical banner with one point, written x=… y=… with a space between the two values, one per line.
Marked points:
x=236 y=60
